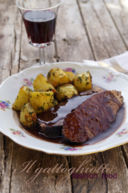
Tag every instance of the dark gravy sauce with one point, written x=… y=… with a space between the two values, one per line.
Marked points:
x=60 y=111
x=54 y=121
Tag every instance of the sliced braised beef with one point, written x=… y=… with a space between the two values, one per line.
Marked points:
x=92 y=117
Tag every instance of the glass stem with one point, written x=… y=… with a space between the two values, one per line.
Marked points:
x=42 y=55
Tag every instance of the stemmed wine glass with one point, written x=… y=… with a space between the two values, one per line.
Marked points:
x=39 y=17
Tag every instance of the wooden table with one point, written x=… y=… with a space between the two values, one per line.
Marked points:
x=93 y=29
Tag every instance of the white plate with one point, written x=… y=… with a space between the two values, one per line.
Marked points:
x=9 y=123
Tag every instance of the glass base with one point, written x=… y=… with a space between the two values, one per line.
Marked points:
x=43 y=45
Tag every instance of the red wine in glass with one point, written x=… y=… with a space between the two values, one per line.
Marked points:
x=40 y=26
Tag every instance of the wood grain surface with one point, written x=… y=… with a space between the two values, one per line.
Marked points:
x=85 y=30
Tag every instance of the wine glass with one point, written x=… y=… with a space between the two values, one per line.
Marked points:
x=39 y=18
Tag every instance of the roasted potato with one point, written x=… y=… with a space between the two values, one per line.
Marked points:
x=83 y=81
x=28 y=116
x=41 y=84
x=57 y=76
x=66 y=91
x=42 y=101
x=22 y=98
x=70 y=75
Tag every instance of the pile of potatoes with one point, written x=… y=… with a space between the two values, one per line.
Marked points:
x=48 y=92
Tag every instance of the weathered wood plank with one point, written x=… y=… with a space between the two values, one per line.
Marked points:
x=105 y=39
x=8 y=47
x=72 y=41
x=92 y=180
x=125 y=153
x=7 y=166
x=2 y=155
x=118 y=10
x=115 y=158
x=17 y=44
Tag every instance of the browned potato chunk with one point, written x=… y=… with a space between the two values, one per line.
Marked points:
x=71 y=76
x=57 y=76
x=42 y=101
x=83 y=81
x=22 y=98
x=41 y=84
x=66 y=91
x=28 y=116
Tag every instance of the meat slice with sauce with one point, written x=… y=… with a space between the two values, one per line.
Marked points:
x=92 y=117
x=51 y=121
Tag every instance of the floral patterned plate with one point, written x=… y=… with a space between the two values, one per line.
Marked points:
x=10 y=126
